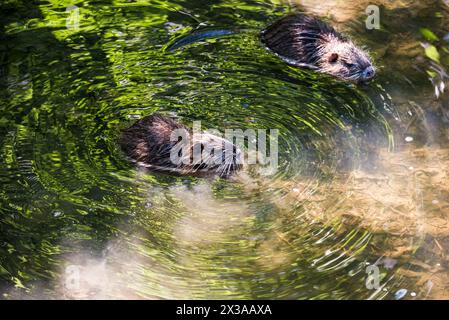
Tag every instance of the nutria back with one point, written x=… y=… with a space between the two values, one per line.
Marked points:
x=148 y=140
x=305 y=41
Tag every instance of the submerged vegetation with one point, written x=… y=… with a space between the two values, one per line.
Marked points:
x=362 y=177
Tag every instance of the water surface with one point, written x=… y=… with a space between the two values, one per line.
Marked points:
x=362 y=176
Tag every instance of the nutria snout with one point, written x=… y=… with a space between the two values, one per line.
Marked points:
x=305 y=41
x=161 y=144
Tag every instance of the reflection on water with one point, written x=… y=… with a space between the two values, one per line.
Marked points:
x=362 y=177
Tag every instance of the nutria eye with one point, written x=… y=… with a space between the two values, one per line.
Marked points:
x=333 y=58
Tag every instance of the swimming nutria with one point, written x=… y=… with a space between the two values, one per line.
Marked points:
x=305 y=41
x=161 y=144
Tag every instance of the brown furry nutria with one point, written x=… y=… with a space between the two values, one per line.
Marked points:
x=305 y=41
x=161 y=144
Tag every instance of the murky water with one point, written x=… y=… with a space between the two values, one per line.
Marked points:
x=361 y=183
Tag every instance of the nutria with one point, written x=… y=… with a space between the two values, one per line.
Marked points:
x=305 y=41
x=161 y=144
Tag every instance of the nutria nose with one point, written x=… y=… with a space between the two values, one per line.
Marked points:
x=368 y=73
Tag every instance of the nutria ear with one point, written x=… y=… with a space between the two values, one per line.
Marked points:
x=333 y=57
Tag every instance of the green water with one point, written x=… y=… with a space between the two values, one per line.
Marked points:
x=72 y=78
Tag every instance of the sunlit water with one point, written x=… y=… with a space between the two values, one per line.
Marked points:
x=361 y=181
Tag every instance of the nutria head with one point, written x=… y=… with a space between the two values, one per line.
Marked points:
x=305 y=41
x=208 y=154
x=344 y=60
x=161 y=144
